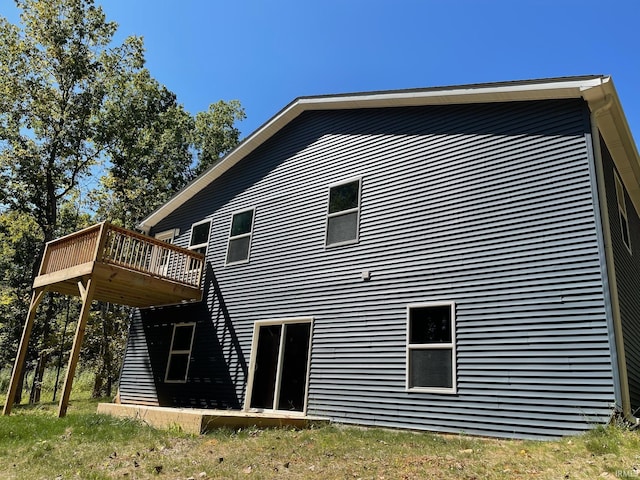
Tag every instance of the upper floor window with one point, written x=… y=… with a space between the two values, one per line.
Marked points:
x=180 y=352
x=161 y=256
x=199 y=240
x=240 y=236
x=200 y=236
x=622 y=212
x=343 y=214
x=431 y=350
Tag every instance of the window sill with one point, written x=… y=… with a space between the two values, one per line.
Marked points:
x=232 y=264
x=341 y=244
x=447 y=391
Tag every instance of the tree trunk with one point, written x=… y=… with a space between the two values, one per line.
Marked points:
x=36 y=386
x=97 y=384
x=107 y=331
x=18 y=397
x=103 y=381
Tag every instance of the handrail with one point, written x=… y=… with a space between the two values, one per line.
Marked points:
x=70 y=250
x=114 y=245
x=152 y=256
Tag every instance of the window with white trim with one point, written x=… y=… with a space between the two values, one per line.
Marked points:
x=622 y=212
x=199 y=239
x=343 y=213
x=161 y=256
x=240 y=234
x=180 y=353
x=431 y=350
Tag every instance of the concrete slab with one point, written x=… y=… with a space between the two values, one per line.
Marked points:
x=197 y=421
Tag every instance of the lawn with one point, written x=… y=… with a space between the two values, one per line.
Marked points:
x=35 y=444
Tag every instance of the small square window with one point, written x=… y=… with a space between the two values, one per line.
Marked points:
x=180 y=353
x=240 y=237
x=200 y=235
x=343 y=213
x=431 y=361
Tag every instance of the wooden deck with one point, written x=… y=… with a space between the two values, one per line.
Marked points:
x=126 y=267
x=110 y=264
x=196 y=421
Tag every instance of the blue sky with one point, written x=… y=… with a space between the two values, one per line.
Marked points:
x=265 y=54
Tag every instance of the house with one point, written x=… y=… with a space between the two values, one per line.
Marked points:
x=457 y=259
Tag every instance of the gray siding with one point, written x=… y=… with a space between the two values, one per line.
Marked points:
x=137 y=384
x=488 y=206
x=627 y=266
x=212 y=384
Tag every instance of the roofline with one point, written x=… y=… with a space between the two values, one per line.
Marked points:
x=594 y=89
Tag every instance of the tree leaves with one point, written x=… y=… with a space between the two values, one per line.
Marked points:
x=82 y=118
x=215 y=132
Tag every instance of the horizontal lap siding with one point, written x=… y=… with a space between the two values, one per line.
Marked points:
x=627 y=266
x=486 y=205
x=137 y=383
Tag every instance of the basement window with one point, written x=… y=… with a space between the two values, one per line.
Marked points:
x=431 y=350
x=180 y=353
x=240 y=233
x=622 y=212
x=343 y=213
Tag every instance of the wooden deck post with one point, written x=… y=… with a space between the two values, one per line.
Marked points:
x=36 y=298
x=86 y=288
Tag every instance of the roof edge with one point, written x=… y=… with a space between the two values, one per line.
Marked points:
x=587 y=87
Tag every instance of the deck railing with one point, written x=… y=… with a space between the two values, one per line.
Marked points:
x=107 y=243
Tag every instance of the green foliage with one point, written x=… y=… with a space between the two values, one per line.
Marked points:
x=215 y=132
x=145 y=137
x=52 y=77
x=603 y=440
x=74 y=105
x=19 y=238
x=36 y=444
x=82 y=385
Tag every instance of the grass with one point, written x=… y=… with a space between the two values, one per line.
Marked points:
x=82 y=383
x=35 y=444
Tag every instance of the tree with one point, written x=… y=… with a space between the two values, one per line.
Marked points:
x=73 y=105
x=215 y=132
x=19 y=237
x=145 y=136
x=53 y=86
x=53 y=89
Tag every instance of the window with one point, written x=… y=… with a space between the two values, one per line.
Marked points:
x=240 y=237
x=180 y=353
x=161 y=256
x=431 y=351
x=622 y=212
x=199 y=238
x=343 y=213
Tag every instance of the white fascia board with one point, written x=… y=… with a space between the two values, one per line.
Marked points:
x=252 y=142
x=614 y=130
x=487 y=93
x=479 y=94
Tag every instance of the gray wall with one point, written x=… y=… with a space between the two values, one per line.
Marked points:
x=627 y=267
x=488 y=206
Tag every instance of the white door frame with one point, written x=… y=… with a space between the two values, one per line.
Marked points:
x=252 y=363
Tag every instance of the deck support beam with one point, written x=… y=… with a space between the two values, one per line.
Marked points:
x=36 y=298
x=86 y=288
